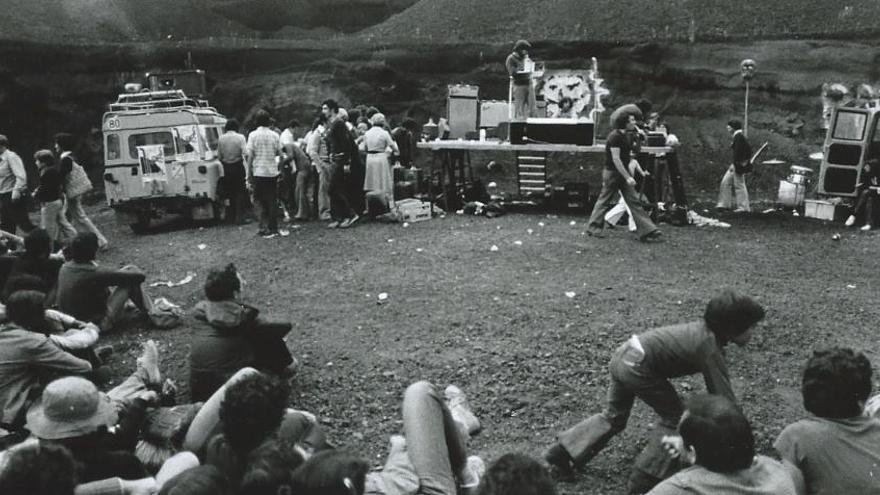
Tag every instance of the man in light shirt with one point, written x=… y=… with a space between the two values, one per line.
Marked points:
x=232 y=152
x=264 y=152
x=13 y=191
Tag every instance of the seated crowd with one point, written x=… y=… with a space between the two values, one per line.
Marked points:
x=239 y=435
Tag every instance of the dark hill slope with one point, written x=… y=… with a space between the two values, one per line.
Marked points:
x=629 y=20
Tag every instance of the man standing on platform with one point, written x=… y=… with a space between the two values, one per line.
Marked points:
x=521 y=81
x=616 y=178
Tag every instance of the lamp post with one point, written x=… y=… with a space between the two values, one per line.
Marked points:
x=747 y=69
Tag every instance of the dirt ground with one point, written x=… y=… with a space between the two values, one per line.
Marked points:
x=500 y=323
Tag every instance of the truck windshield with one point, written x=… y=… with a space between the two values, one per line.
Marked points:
x=164 y=138
x=850 y=126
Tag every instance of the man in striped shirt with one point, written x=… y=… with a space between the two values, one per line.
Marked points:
x=263 y=151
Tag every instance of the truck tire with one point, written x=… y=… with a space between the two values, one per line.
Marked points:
x=142 y=225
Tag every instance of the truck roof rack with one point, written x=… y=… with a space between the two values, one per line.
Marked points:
x=146 y=100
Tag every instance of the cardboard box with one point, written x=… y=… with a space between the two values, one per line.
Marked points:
x=824 y=210
x=414 y=210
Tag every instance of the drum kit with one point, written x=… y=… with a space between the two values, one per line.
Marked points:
x=793 y=189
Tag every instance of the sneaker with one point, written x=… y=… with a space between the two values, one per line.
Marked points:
x=850 y=221
x=741 y=210
x=396 y=444
x=270 y=235
x=262 y=233
x=283 y=232
x=461 y=412
x=473 y=472
x=348 y=222
x=557 y=457
x=149 y=362
x=333 y=225
x=866 y=227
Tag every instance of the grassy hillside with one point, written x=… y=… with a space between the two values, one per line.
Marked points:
x=110 y=21
x=629 y=20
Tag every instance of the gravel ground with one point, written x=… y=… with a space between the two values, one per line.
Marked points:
x=503 y=324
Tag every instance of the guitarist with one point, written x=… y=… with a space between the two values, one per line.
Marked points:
x=736 y=173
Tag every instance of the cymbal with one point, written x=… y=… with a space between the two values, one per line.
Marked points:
x=816 y=156
x=773 y=162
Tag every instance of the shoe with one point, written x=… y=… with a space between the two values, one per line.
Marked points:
x=608 y=225
x=473 y=472
x=270 y=235
x=149 y=362
x=104 y=352
x=557 y=457
x=348 y=222
x=850 y=221
x=654 y=235
x=741 y=210
x=866 y=227
x=396 y=444
x=461 y=412
x=597 y=233
x=333 y=225
x=283 y=232
x=104 y=247
x=262 y=232
x=324 y=217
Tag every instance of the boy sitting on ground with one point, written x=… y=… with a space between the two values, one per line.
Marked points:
x=837 y=449
x=717 y=440
x=84 y=287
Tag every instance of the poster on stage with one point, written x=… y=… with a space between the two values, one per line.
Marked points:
x=152 y=162
x=583 y=86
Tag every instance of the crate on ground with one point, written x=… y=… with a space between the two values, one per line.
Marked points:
x=414 y=210
x=824 y=210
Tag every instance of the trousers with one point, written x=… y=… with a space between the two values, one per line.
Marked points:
x=738 y=181
x=613 y=182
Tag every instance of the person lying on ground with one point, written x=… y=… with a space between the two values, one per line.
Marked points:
x=26 y=356
x=253 y=409
x=431 y=457
x=716 y=440
x=642 y=367
x=84 y=287
x=837 y=449
x=229 y=335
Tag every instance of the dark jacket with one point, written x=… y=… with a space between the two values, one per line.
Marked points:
x=742 y=152
x=227 y=336
x=83 y=289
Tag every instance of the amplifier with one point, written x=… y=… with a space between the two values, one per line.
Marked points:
x=462 y=107
x=553 y=131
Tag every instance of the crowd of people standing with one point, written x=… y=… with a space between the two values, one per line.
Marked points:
x=337 y=171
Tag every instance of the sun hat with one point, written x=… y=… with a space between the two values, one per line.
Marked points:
x=70 y=407
x=377 y=119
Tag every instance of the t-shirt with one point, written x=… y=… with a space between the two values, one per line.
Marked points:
x=765 y=477
x=617 y=139
x=50 y=185
x=836 y=456
x=264 y=147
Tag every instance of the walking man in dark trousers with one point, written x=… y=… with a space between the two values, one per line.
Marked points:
x=617 y=178
x=339 y=144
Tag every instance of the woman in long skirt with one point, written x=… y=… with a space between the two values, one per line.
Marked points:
x=377 y=141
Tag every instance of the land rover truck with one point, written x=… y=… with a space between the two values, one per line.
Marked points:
x=853 y=138
x=160 y=155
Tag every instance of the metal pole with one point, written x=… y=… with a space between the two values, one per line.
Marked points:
x=746 y=118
